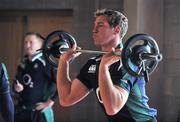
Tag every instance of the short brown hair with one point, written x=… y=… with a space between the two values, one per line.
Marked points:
x=114 y=18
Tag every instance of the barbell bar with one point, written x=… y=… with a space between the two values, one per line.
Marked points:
x=143 y=56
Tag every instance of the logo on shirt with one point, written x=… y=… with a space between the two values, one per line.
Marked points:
x=92 y=69
x=28 y=80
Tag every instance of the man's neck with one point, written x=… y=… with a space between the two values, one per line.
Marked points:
x=108 y=47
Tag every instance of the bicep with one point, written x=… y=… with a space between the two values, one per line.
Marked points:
x=78 y=91
x=123 y=95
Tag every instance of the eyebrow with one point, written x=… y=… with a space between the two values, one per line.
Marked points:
x=100 y=23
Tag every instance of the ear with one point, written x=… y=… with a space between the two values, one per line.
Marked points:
x=117 y=29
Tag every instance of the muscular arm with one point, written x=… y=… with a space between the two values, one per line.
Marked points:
x=113 y=97
x=70 y=92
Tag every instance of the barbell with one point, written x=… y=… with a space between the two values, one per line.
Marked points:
x=140 y=55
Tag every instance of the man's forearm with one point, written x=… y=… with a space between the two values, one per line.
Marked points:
x=63 y=80
x=113 y=97
x=106 y=87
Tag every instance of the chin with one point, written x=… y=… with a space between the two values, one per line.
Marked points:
x=29 y=53
x=97 y=42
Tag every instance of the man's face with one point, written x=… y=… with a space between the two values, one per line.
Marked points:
x=103 y=34
x=32 y=44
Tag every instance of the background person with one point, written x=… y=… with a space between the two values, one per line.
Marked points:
x=35 y=83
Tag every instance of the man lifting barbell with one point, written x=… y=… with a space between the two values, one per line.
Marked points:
x=118 y=79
